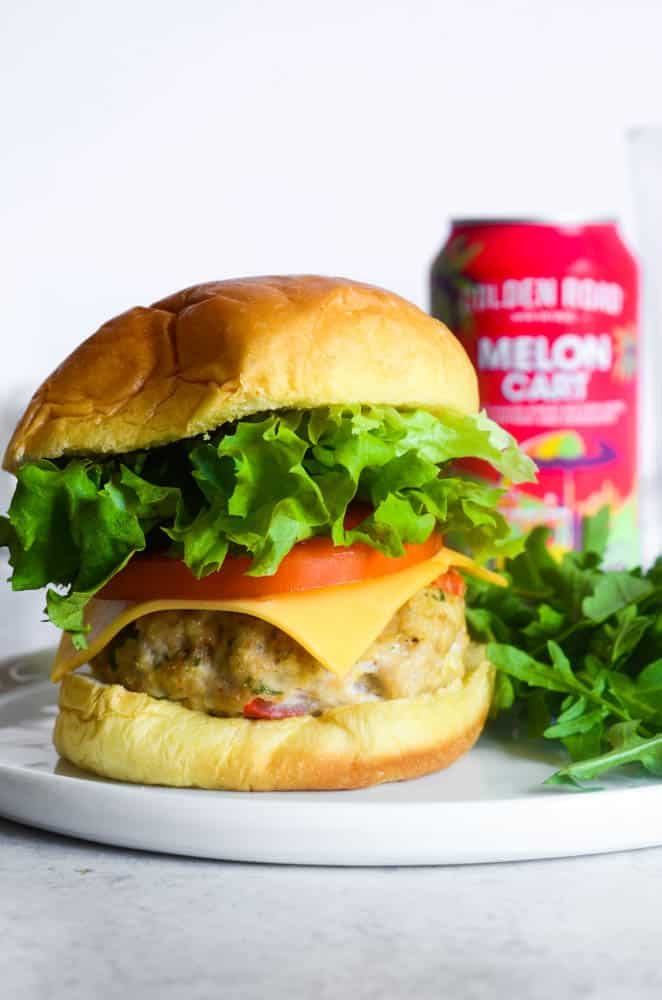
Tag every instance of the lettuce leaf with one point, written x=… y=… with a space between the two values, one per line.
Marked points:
x=257 y=486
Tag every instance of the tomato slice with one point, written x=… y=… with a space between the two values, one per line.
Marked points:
x=260 y=708
x=314 y=563
x=452 y=583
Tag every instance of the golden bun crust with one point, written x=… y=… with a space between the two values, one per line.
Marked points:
x=226 y=349
x=133 y=737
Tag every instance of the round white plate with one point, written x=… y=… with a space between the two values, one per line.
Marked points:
x=490 y=806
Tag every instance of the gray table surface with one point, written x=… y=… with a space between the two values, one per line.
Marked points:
x=80 y=921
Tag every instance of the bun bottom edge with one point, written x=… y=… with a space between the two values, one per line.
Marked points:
x=133 y=737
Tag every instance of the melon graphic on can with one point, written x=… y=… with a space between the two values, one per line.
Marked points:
x=548 y=315
x=567 y=451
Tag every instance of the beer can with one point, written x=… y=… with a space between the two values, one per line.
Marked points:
x=548 y=314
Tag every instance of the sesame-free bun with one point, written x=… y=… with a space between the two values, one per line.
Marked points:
x=134 y=737
x=226 y=349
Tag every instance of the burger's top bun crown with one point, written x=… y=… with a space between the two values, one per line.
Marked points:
x=226 y=349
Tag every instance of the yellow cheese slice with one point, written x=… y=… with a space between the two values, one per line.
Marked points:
x=335 y=624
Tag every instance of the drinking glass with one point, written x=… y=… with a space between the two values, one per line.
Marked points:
x=645 y=163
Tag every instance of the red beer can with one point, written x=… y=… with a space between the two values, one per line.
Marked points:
x=548 y=314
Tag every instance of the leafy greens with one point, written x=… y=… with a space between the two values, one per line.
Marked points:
x=257 y=486
x=578 y=651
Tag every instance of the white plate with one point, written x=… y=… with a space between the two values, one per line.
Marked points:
x=490 y=806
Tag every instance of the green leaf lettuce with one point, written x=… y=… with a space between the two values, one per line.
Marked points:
x=258 y=486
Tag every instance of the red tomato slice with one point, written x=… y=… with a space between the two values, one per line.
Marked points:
x=317 y=562
x=260 y=708
x=452 y=583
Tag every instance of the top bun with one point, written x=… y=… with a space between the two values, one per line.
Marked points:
x=226 y=349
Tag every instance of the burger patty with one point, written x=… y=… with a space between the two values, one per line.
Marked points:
x=218 y=662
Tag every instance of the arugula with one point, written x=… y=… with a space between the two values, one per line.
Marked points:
x=257 y=486
x=578 y=651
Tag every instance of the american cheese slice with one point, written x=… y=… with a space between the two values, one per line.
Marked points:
x=335 y=624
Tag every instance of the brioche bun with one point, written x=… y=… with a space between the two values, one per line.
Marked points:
x=185 y=365
x=134 y=737
x=223 y=350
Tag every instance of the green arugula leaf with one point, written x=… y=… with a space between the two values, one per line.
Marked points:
x=538 y=716
x=503 y=697
x=576 y=721
x=581 y=746
x=519 y=664
x=629 y=635
x=613 y=592
x=581 y=647
x=632 y=750
x=637 y=704
x=548 y=622
x=595 y=532
x=561 y=664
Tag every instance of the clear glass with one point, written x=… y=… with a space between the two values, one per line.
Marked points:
x=645 y=161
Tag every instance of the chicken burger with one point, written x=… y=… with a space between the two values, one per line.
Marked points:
x=244 y=504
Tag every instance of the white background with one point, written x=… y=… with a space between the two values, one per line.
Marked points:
x=150 y=145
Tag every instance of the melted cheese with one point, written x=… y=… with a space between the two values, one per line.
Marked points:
x=335 y=624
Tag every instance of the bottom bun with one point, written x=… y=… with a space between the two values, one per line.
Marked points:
x=134 y=737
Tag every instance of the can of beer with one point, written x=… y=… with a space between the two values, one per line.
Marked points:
x=548 y=314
